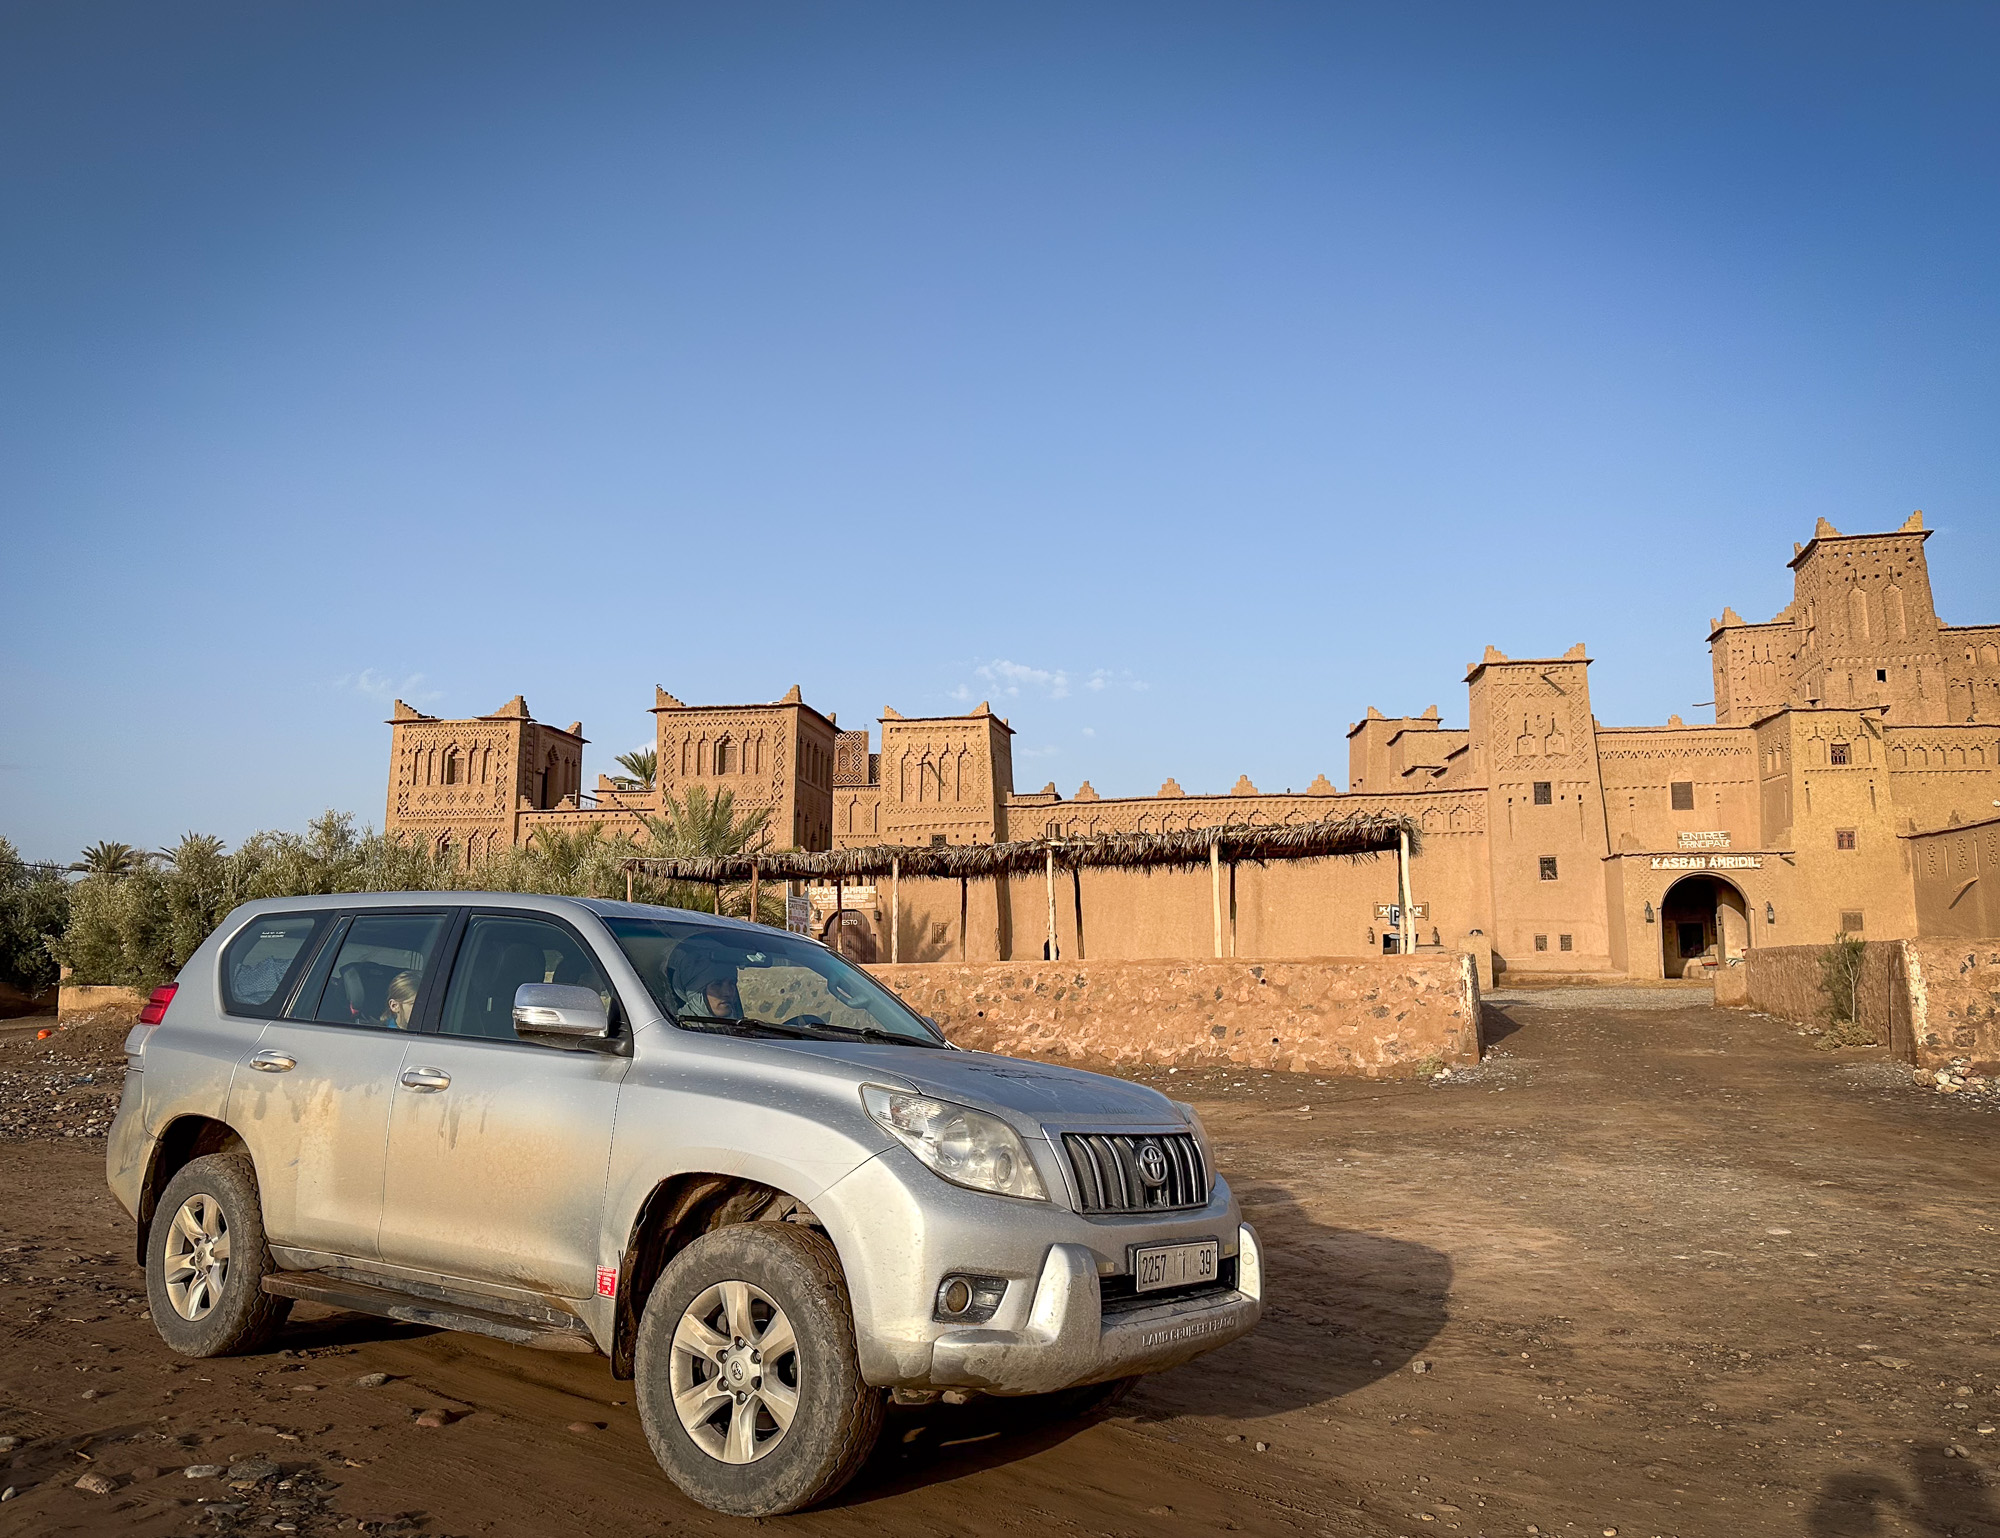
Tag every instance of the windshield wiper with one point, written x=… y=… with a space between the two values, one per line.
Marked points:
x=814 y=1032
x=804 y=1033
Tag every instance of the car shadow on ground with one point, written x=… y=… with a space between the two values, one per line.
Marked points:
x=1944 y=1495
x=1343 y=1309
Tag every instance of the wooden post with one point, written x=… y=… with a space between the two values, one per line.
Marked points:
x=1408 y=925
x=1232 y=909
x=895 y=886
x=1076 y=888
x=839 y=915
x=1215 y=891
x=628 y=883
x=962 y=901
x=1053 y=953
x=753 y=894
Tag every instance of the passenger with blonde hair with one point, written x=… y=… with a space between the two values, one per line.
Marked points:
x=400 y=1011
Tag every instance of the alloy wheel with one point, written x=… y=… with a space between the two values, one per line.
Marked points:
x=197 y=1257
x=735 y=1376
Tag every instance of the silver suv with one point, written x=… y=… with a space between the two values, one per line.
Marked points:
x=715 y=1152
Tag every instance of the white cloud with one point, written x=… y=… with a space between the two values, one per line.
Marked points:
x=412 y=689
x=1011 y=677
x=1051 y=751
x=1090 y=731
x=1105 y=678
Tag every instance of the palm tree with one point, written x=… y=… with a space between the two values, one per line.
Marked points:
x=698 y=824
x=643 y=764
x=105 y=858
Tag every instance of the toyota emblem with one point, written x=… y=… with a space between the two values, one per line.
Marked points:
x=1153 y=1165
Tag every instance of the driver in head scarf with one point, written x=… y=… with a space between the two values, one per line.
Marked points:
x=701 y=980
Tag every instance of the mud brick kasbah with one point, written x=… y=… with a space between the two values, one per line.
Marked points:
x=1847 y=785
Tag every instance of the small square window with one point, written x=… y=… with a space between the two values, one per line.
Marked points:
x=1881 y=675
x=1563 y=943
x=1543 y=795
x=1843 y=838
x=1850 y=923
x=1682 y=792
x=1541 y=942
x=1839 y=753
x=1548 y=867
x=937 y=841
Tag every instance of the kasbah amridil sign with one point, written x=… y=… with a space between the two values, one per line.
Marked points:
x=1847 y=786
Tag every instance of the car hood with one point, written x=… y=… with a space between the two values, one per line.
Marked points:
x=1030 y=1092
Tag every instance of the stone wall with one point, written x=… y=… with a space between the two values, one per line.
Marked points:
x=1955 y=1002
x=1366 y=1016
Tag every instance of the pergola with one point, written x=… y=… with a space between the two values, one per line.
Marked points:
x=1356 y=835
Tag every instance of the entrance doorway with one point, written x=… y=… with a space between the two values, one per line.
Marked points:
x=1704 y=921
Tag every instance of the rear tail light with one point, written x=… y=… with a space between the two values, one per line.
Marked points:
x=156 y=1007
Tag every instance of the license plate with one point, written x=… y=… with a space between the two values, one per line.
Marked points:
x=1158 y=1266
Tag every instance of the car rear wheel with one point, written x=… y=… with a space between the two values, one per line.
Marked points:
x=206 y=1261
x=747 y=1380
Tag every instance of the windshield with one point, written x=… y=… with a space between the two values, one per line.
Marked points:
x=762 y=981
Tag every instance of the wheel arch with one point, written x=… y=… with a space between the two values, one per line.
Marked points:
x=675 y=1213
x=180 y=1143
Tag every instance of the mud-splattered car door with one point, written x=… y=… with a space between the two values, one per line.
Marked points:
x=499 y=1147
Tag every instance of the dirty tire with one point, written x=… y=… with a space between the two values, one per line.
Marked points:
x=837 y=1417
x=240 y=1317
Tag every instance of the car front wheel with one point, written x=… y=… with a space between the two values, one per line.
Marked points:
x=747 y=1379
x=206 y=1261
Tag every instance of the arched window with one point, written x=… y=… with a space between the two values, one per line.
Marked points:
x=452 y=766
x=725 y=756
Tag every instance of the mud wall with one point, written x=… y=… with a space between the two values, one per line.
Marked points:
x=1783 y=980
x=1351 y=1016
x=1934 y=1002
x=83 y=999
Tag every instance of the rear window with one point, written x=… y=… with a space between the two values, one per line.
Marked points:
x=260 y=965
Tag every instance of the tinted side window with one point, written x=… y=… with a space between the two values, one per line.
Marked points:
x=379 y=972
x=499 y=954
x=260 y=964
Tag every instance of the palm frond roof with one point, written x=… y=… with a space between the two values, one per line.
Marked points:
x=1356 y=835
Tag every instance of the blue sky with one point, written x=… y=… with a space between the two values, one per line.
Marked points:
x=1184 y=379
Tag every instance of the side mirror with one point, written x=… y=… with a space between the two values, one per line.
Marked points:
x=560 y=1012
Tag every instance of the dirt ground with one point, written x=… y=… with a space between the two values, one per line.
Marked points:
x=1664 y=1270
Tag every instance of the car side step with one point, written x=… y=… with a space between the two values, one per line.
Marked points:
x=312 y=1287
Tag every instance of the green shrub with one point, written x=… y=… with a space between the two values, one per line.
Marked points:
x=1840 y=966
x=134 y=922
x=34 y=910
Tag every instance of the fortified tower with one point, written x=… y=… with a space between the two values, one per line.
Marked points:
x=1868 y=634
x=461 y=784
x=1534 y=740
x=945 y=779
x=778 y=757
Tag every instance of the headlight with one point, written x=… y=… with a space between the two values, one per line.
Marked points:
x=967 y=1147
x=1193 y=1119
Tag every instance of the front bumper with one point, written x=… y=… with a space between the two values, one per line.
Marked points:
x=1069 y=1340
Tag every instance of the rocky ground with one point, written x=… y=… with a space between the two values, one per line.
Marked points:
x=1652 y=1268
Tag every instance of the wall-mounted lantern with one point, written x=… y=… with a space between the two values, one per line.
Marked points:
x=1770 y=914
x=1371 y=935
x=1649 y=913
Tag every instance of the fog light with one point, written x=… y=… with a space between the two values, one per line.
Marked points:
x=970 y=1299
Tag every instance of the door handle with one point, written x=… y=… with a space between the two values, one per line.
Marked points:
x=431 y=1079
x=273 y=1062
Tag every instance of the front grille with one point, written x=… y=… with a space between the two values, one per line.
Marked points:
x=1109 y=1171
